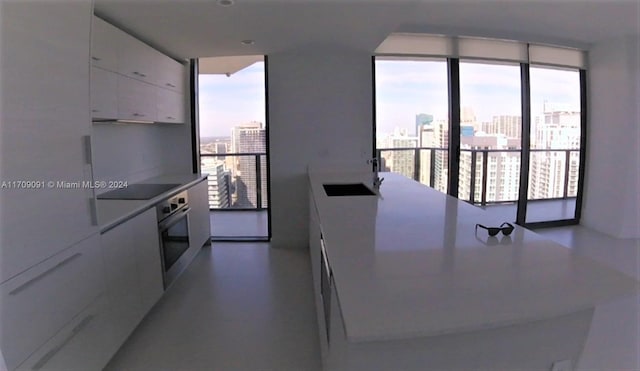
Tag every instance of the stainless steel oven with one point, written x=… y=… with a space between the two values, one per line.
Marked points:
x=173 y=228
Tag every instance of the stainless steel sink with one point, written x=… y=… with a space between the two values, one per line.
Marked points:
x=347 y=189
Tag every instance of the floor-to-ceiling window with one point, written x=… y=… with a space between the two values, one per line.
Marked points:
x=490 y=133
x=554 y=160
x=412 y=119
x=515 y=127
x=233 y=145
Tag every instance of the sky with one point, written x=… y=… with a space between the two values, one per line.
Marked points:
x=226 y=102
x=403 y=89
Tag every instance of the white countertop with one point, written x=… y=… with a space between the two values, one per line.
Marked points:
x=114 y=212
x=407 y=263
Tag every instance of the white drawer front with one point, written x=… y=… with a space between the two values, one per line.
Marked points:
x=39 y=302
x=86 y=343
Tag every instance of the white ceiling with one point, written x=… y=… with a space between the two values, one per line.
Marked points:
x=201 y=28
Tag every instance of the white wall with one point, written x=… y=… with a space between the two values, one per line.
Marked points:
x=612 y=185
x=320 y=110
x=134 y=152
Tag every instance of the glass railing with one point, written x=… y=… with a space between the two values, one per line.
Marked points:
x=489 y=175
x=237 y=181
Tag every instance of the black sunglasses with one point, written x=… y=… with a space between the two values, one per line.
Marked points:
x=495 y=230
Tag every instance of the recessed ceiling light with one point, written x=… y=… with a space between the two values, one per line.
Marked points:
x=225 y=2
x=248 y=42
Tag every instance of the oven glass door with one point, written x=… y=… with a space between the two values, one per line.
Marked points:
x=174 y=237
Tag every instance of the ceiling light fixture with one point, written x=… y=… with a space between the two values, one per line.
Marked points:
x=225 y=2
x=248 y=42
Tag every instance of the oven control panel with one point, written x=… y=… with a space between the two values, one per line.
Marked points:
x=172 y=205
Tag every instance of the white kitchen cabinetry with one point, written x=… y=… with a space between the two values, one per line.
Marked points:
x=149 y=85
x=36 y=304
x=170 y=74
x=133 y=270
x=145 y=238
x=86 y=343
x=104 y=90
x=199 y=222
x=104 y=46
x=45 y=115
x=170 y=106
x=136 y=59
x=136 y=100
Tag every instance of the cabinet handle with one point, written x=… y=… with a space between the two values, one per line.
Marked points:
x=170 y=85
x=50 y=354
x=138 y=115
x=37 y=278
x=96 y=59
x=95 y=110
x=139 y=74
x=171 y=118
x=88 y=150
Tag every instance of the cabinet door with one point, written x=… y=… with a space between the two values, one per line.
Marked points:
x=171 y=106
x=136 y=59
x=104 y=90
x=171 y=74
x=199 y=222
x=86 y=343
x=45 y=113
x=39 y=302
x=104 y=45
x=136 y=100
x=122 y=278
x=133 y=271
x=147 y=248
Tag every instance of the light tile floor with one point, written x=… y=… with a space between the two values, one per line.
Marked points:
x=244 y=224
x=239 y=306
x=248 y=307
x=537 y=211
x=614 y=338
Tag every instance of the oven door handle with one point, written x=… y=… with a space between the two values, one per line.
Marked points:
x=173 y=219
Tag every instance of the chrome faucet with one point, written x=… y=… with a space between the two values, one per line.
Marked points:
x=376 y=179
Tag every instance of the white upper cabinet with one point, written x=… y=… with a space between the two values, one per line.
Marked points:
x=149 y=86
x=136 y=100
x=104 y=90
x=171 y=74
x=170 y=106
x=104 y=45
x=136 y=59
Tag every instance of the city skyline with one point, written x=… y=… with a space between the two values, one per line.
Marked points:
x=404 y=88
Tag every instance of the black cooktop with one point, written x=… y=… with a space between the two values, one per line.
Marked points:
x=137 y=192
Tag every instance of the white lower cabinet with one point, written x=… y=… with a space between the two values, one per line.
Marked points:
x=39 y=302
x=147 y=250
x=199 y=222
x=87 y=343
x=133 y=270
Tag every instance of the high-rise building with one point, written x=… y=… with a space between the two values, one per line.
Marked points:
x=421 y=120
x=508 y=125
x=218 y=182
x=400 y=161
x=426 y=138
x=248 y=138
x=441 y=169
x=558 y=128
x=503 y=168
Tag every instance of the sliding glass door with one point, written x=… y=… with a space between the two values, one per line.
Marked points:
x=555 y=145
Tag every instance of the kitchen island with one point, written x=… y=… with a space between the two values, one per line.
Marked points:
x=404 y=282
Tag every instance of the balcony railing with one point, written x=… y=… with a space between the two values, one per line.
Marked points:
x=237 y=181
x=488 y=175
